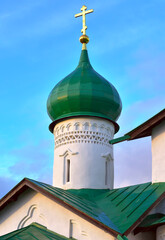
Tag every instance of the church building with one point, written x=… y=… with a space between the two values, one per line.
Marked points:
x=82 y=203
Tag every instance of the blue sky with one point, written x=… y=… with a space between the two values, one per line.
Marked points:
x=39 y=46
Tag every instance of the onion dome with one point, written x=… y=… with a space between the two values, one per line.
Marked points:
x=84 y=92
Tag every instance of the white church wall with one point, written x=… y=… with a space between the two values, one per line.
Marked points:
x=160 y=233
x=11 y=214
x=142 y=236
x=83 y=157
x=34 y=207
x=158 y=153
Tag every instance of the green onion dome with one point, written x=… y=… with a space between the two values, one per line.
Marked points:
x=84 y=92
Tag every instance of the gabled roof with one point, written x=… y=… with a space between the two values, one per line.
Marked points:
x=33 y=232
x=118 y=211
x=143 y=130
x=125 y=206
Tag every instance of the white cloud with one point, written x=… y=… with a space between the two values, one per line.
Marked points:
x=6 y=184
x=132 y=162
x=33 y=161
x=138 y=112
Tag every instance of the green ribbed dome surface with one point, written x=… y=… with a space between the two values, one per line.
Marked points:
x=84 y=92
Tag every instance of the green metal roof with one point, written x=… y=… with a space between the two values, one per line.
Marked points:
x=122 y=237
x=84 y=92
x=117 y=209
x=152 y=220
x=33 y=231
x=120 y=139
x=124 y=206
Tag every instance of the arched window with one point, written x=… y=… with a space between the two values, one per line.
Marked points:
x=106 y=172
x=77 y=126
x=86 y=126
x=68 y=170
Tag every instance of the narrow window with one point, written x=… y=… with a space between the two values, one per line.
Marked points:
x=68 y=171
x=71 y=229
x=74 y=230
x=106 y=172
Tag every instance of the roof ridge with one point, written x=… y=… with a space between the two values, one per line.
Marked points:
x=45 y=229
x=127 y=195
x=135 y=197
x=37 y=226
x=143 y=200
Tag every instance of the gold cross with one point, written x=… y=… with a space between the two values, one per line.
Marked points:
x=83 y=13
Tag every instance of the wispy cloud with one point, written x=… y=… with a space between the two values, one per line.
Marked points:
x=149 y=71
x=33 y=161
x=132 y=162
x=122 y=37
x=13 y=31
x=138 y=112
x=11 y=12
x=6 y=184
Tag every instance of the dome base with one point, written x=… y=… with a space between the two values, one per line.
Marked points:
x=78 y=115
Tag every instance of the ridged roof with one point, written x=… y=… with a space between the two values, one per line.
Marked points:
x=124 y=206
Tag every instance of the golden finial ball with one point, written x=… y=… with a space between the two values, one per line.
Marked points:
x=84 y=39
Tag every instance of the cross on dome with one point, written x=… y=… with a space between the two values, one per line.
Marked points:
x=83 y=14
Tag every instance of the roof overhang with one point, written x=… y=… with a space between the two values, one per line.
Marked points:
x=144 y=215
x=150 y=223
x=143 y=130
